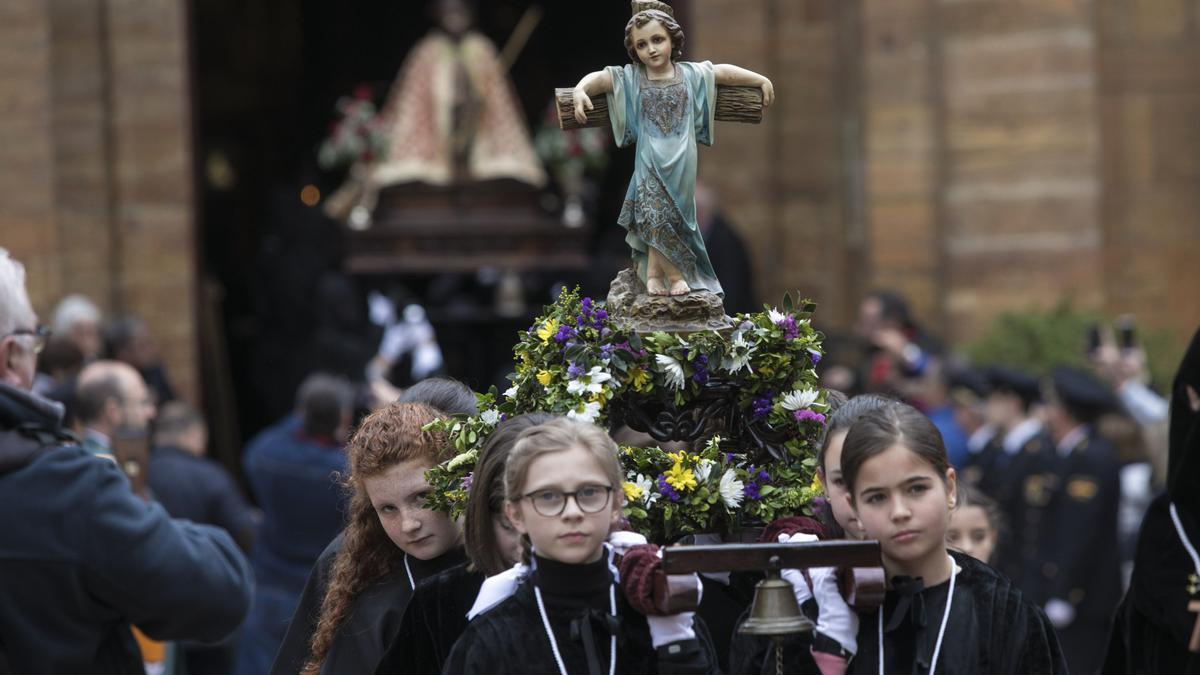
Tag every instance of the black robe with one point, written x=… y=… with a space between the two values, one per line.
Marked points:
x=992 y=629
x=510 y=639
x=436 y=616
x=372 y=624
x=1152 y=626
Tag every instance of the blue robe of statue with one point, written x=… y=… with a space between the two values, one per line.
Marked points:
x=665 y=118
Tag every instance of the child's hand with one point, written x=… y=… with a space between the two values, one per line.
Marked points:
x=768 y=91
x=583 y=103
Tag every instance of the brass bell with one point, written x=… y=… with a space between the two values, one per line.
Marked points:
x=774 y=611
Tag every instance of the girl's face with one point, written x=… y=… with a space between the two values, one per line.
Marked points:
x=902 y=501
x=508 y=540
x=398 y=496
x=971 y=533
x=652 y=44
x=835 y=487
x=571 y=480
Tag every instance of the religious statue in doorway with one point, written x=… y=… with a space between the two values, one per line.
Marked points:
x=451 y=118
x=665 y=106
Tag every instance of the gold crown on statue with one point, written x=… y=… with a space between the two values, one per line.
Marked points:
x=643 y=5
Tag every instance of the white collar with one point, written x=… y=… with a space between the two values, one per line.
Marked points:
x=1072 y=440
x=1016 y=439
x=980 y=438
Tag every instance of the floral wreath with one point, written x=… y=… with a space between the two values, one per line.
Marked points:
x=575 y=361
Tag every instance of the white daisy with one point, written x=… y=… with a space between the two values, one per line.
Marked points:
x=672 y=368
x=589 y=413
x=591 y=381
x=649 y=496
x=731 y=489
x=776 y=316
x=490 y=417
x=511 y=392
x=799 y=399
x=702 y=470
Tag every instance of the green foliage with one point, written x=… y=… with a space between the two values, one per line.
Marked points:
x=575 y=361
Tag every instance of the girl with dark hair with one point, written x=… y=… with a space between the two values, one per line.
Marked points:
x=447 y=397
x=563 y=491
x=943 y=609
x=837 y=518
x=391 y=540
x=437 y=613
x=975 y=524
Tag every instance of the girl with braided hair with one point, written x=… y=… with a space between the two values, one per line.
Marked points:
x=391 y=540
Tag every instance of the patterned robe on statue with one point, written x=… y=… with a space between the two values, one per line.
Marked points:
x=419 y=112
x=665 y=118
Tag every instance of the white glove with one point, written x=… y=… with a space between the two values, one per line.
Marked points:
x=835 y=618
x=623 y=540
x=1060 y=612
x=795 y=577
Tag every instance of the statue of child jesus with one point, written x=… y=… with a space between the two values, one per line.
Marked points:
x=665 y=106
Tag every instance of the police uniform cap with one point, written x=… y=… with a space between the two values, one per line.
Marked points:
x=1003 y=378
x=1082 y=393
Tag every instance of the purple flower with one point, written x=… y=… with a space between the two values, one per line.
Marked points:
x=790 y=331
x=757 y=477
x=564 y=333
x=586 y=305
x=574 y=371
x=700 y=366
x=601 y=315
x=763 y=405
x=665 y=487
x=606 y=351
x=816 y=356
x=466 y=480
x=809 y=416
x=728 y=457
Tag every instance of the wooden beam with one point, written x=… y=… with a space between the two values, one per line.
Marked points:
x=734 y=104
x=748 y=557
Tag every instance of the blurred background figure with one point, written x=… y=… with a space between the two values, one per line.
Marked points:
x=1081 y=583
x=191 y=487
x=111 y=397
x=128 y=340
x=896 y=349
x=727 y=252
x=293 y=467
x=79 y=320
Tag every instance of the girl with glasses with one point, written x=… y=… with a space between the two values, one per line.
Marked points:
x=568 y=615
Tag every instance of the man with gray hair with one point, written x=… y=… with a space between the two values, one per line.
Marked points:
x=81 y=557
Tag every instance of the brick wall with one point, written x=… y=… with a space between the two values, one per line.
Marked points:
x=97 y=195
x=978 y=155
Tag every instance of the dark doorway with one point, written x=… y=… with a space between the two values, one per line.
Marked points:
x=267 y=76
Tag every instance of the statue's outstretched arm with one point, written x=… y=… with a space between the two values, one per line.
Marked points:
x=599 y=82
x=729 y=74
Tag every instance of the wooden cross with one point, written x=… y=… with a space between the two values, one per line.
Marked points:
x=862 y=578
x=734 y=104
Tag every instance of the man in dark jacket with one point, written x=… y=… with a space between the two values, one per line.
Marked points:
x=82 y=557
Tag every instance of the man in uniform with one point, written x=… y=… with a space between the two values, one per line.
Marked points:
x=1080 y=584
x=1020 y=449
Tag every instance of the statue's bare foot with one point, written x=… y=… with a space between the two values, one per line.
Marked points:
x=680 y=287
x=656 y=286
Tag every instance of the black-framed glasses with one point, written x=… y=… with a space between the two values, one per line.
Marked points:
x=551 y=502
x=41 y=335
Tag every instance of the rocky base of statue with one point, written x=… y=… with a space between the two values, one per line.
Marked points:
x=633 y=309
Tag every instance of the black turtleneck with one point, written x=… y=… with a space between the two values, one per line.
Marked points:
x=574 y=586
